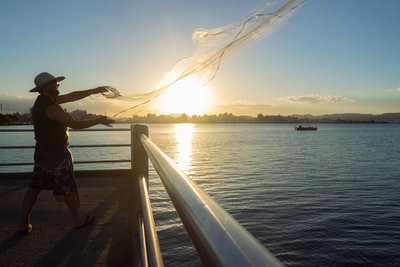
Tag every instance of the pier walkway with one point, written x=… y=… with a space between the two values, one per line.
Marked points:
x=124 y=232
x=53 y=241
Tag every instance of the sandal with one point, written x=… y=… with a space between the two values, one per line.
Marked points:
x=88 y=220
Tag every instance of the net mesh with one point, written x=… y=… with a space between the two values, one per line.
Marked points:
x=214 y=45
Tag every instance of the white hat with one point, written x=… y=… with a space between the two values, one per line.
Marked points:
x=44 y=79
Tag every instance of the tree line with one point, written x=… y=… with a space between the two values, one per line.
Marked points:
x=26 y=118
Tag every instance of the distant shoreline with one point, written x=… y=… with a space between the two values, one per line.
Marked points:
x=248 y=122
x=25 y=119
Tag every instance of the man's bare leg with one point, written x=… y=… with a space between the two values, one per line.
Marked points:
x=29 y=201
x=72 y=201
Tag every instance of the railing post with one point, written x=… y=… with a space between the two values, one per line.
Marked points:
x=139 y=159
x=140 y=167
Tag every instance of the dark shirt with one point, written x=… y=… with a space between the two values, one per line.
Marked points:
x=52 y=138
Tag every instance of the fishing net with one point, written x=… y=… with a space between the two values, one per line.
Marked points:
x=214 y=45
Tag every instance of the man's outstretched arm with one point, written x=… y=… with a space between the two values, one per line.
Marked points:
x=73 y=96
x=55 y=112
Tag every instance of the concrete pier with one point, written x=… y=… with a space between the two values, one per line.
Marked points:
x=53 y=241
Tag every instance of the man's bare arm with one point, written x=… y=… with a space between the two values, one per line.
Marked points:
x=73 y=96
x=56 y=112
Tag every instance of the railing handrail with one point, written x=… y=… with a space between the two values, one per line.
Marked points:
x=219 y=239
x=150 y=242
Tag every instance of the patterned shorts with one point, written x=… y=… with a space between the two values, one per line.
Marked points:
x=61 y=181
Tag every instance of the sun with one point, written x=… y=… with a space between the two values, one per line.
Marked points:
x=186 y=96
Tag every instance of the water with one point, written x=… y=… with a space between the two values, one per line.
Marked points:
x=324 y=198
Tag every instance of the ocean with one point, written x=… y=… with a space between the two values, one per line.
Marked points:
x=315 y=198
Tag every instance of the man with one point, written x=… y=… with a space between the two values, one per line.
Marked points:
x=53 y=168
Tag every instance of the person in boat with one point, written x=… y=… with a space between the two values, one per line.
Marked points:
x=53 y=166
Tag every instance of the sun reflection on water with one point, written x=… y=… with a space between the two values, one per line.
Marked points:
x=184 y=135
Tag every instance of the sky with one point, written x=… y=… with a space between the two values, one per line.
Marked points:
x=337 y=56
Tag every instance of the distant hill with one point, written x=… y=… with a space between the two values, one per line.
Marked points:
x=353 y=117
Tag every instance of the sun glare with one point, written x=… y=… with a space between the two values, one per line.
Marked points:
x=186 y=96
x=183 y=136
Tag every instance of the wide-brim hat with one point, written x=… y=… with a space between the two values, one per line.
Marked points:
x=43 y=79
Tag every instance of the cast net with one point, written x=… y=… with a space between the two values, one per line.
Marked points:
x=213 y=46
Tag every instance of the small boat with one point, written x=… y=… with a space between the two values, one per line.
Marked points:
x=302 y=128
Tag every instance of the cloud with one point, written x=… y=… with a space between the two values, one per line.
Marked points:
x=397 y=90
x=317 y=99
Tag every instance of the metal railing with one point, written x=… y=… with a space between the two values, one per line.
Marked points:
x=107 y=161
x=218 y=238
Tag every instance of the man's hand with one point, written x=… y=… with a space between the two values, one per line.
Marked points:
x=100 y=89
x=107 y=91
x=106 y=121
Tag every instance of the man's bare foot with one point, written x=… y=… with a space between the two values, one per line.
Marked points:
x=87 y=221
x=24 y=231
